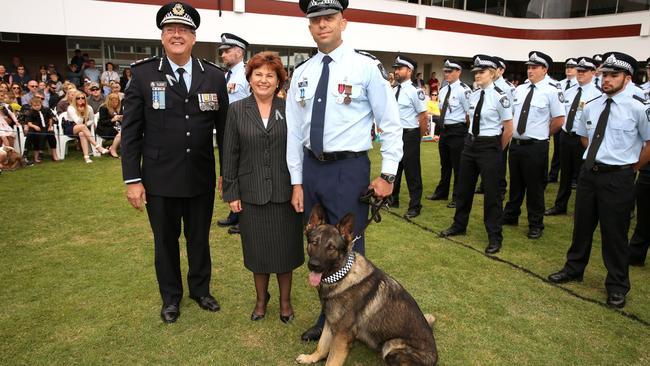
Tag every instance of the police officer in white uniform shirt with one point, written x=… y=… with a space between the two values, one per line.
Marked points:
x=571 y=149
x=614 y=128
x=570 y=72
x=598 y=77
x=453 y=122
x=331 y=104
x=489 y=133
x=233 y=50
x=413 y=117
x=539 y=109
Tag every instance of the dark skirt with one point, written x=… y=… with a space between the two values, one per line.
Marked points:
x=107 y=133
x=272 y=239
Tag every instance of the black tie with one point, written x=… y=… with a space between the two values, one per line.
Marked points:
x=523 y=116
x=476 y=122
x=573 y=110
x=399 y=89
x=596 y=82
x=228 y=75
x=318 y=109
x=599 y=135
x=445 y=105
x=568 y=84
x=181 y=79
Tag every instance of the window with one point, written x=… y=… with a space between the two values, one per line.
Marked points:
x=601 y=7
x=633 y=5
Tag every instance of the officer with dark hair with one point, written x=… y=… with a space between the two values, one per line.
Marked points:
x=614 y=128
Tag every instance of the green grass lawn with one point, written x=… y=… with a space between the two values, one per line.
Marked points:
x=79 y=287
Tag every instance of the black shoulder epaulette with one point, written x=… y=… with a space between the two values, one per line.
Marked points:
x=589 y=101
x=144 y=61
x=599 y=88
x=640 y=99
x=301 y=63
x=366 y=54
x=498 y=90
x=510 y=84
x=464 y=85
x=213 y=64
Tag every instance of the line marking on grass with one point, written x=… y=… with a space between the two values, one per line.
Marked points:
x=527 y=271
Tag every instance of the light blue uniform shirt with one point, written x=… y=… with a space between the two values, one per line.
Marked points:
x=573 y=83
x=633 y=89
x=411 y=103
x=547 y=103
x=589 y=92
x=628 y=127
x=646 y=88
x=496 y=109
x=238 y=87
x=458 y=102
x=507 y=87
x=347 y=126
x=187 y=75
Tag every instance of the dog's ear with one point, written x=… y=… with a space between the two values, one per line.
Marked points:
x=316 y=218
x=346 y=227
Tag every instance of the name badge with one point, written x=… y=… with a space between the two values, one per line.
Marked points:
x=208 y=102
x=158 y=94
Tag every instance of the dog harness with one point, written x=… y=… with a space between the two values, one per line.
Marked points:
x=338 y=275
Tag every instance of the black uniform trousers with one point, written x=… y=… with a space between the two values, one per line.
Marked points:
x=165 y=216
x=556 y=166
x=410 y=165
x=481 y=155
x=450 y=146
x=36 y=140
x=606 y=198
x=528 y=162
x=571 y=151
x=641 y=239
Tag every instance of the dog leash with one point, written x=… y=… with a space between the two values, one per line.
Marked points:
x=376 y=204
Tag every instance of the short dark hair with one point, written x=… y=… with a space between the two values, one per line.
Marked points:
x=267 y=58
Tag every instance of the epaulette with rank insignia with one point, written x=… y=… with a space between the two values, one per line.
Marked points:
x=505 y=102
x=498 y=90
x=589 y=101
x=144 y=61
x=645 y=102
x=213 y=64
x=464 y=85
x=301 y=63
x=367 y=54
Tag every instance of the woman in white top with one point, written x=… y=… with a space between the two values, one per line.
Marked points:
x=80 y=116
x=107 y=76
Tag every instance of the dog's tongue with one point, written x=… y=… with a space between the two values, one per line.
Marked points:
x=314 y=278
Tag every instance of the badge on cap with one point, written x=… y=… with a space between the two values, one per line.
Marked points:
x=158 y=94
x=208 y=102
x=178 y=9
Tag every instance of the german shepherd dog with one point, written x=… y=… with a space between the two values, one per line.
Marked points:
x=363 y=302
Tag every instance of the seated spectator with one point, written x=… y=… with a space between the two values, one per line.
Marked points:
x=54 y=95
x=77 y=59
x=57 y=81
x=21 y=77
x=434 y=83
x=126 y=77
x=109 y=75
x=90 y=72
x=5 y=77
x=41 y=75
x=96 y=97
x=74 y=75
x=32 y=86
x=64 y=103
x=116 y=88
x=40 y=127
x=110 y=120
x=16 y=94
x=433 y=108
x=7 y=122
x=15 y=63
x=80 y=116
x=51 y=70
x=4 y=87
x=44 y=91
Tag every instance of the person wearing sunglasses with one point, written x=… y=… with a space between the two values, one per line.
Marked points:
x=80 y=116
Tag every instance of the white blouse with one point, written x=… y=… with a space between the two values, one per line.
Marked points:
x=73 y=116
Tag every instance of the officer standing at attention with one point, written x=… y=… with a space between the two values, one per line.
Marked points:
x=598 y=77
x=233 y=50
x=538 y=110
x=614 y=128
x=454 y=121
x=571 y=149
x=333 y=99
x=171 y=106
x=413 y=117
x=567 y=85
x=490 y=132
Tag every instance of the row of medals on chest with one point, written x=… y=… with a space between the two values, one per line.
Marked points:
x=343 y=88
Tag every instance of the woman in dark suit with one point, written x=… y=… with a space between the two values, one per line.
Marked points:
x=109 y=122
x=257 y=185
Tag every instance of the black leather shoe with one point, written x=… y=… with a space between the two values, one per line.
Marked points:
x=411 y=213
x=616 y=300
x=207 y=302
x=312 y=334
x=636 y=262
x=452 y=231
x=169 y=313
x=493 y=248
x=553 y=211
x=535 y=233
x=256 y=317
x=436 y=197
x=286 y=319
x=451 y=204
x=564 y=277
x=234 y=229
x=510 y=222
x=231 y=220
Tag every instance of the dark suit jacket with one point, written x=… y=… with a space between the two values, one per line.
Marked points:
x=255 y=158
x=171 y=149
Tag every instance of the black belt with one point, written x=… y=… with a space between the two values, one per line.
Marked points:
x=336 y=155
x=572 y=134
x=484 y=138
x=604 y=168
x=412 y=129
x=456 y=125
x=526 y=142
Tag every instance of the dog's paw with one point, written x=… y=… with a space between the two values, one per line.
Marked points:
x=305 y=359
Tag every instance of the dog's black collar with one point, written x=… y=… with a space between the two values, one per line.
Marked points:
x=338 y=275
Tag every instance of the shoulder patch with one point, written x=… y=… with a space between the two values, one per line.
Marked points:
x=468 y=93
x=647 y=113
x=382 y=71
x=144 y=61
x=505 y=102
x=589 y=101
x=301 y=63
x=213 y=64
x=367 y=54
x=421 y=94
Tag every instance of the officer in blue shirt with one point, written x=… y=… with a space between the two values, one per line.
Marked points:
x=233 y=50
x=538 y=110
x=490 y=131
x=598 y=77
x=567 y=85
x=614 y=128
x=413 y=117
x=331 y=104
x=453 y=122
x=571 y=149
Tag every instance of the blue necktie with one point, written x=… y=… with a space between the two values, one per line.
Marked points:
x=228 y=74
x=318 y=110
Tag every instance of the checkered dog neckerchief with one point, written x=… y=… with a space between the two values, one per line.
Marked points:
x=338 y=275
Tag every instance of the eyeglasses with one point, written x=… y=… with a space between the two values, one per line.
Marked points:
x=82 y=98
x=32 y=86
x=15 y=87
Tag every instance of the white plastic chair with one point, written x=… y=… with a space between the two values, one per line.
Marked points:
x=19 y=142
x=62 y=139
x=93 y=131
